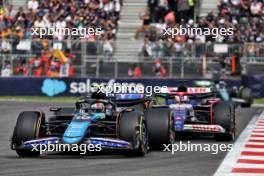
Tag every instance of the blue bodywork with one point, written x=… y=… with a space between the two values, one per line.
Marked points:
x=77 y=129
x=109 y=143
x=126 y=96
x=223 y=93
x=104 y=142
x=179 y=118
x=43 y=141
x=76 y=133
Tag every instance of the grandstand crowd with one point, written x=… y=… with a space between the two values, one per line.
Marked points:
x=16 y=25
x=61 y=14
x=245 y=17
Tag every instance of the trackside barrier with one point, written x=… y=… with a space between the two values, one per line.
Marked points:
x=17 y=86
x=256 y=83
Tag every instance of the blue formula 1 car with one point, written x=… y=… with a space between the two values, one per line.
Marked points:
x=198 y=110
x=119 y=122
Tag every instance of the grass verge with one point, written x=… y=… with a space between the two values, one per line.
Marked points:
x=259 y=101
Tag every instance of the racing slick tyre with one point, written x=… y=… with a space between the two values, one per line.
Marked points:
x=246 y=95
x=160 y=127
x=132 y=128
x=224 y=115
x=28 y=127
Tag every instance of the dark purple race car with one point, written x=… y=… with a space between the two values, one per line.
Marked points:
x=198 y=110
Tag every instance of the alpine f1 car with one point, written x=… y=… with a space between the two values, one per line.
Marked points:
x=241 y=95
x=198 y=110
x=120 y=122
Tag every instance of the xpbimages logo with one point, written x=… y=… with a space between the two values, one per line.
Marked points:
x=81 y=148
x=75 y=32
x=190 y=147
x=113 y=87
x=194 y=31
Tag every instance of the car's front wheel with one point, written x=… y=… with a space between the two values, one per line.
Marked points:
x=28 y=127
x=132 y=128
x=224 y=116
x=160 y=126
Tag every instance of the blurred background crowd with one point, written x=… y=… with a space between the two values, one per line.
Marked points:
x=58 y=55
x=16 y=24
x=245 y=17
x=61 y=14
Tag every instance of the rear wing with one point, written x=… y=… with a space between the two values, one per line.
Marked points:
x=190 y=90
x=128 y=99
x=196 y=92
x=117 y=99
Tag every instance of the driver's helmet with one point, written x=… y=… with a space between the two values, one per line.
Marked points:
x=97 y=107
x=177 y=99
x=95 y=87
x=181 y=99
x=222 y=84
x=185 y=99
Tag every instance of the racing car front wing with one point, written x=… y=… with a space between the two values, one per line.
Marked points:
x=106 y=143
x=204 y=128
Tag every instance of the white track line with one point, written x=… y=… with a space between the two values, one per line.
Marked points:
x=242 y=165
x=251 y=157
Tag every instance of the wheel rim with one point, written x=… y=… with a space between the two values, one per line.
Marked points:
x=171 y=129
x=143 y=137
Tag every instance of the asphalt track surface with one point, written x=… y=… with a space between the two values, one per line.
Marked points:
x=156 y=163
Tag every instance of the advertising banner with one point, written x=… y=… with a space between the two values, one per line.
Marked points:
x=79 y=86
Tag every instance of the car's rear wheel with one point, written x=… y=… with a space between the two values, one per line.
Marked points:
x=246 y=94
x=28 y=127
x=224 y=116
x=132 y=128
x=160 y=127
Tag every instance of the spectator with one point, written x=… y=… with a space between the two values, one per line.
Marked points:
x=9 y=12
x=145 y=25
x=130 y=71
x=117 y=8
x=39 y=23
x=5 y=46
x=21 y=69
x=191 y=11
x=134 y=71
x=6 y=69
x=108 y=48
x=255 y=8
x=152 y=5
x=70 y=57
x=172 y=5
x=137 y=72
x=167 y=47
x=183 y=10
x=53 y=67
x=146 y=49
x=33 y=4
x=159 y=69
x=37 y=66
